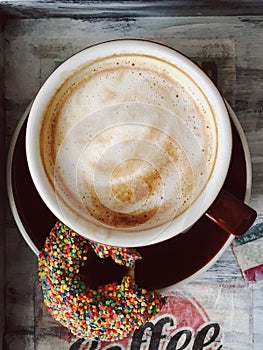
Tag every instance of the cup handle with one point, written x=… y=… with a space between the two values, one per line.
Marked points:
x=231 y=214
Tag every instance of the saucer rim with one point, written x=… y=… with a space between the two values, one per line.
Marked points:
x=247 y=196
x=10 y=192
x=220 y=252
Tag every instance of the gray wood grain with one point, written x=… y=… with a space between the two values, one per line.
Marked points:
x=130 y=8
x=32 y=50
x=2 y=184
x=258 y=318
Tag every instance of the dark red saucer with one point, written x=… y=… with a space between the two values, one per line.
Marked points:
x=163 y=264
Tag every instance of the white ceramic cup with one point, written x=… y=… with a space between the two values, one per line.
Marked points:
x=105 y=80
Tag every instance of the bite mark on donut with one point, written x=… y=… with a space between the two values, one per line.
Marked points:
x=106 y=312
x=97 y=271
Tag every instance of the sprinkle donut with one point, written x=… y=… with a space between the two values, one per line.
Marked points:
x=109 y=312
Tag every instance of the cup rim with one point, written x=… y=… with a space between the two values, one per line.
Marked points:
x=204 y=200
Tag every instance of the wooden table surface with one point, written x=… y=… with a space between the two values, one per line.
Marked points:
x=34 y=39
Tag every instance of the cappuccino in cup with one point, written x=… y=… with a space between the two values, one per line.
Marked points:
x=129 y=138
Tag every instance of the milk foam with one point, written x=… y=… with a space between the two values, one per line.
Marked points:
x=128 y=141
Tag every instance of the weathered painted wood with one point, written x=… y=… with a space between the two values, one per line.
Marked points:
x=130 y=8
x=258 y=317
x=2 y=183
x=34 y=47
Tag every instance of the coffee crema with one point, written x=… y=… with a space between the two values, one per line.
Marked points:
x=128 y=141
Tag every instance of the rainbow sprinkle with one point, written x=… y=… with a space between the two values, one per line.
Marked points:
x=122 y=256
x=108 y=313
